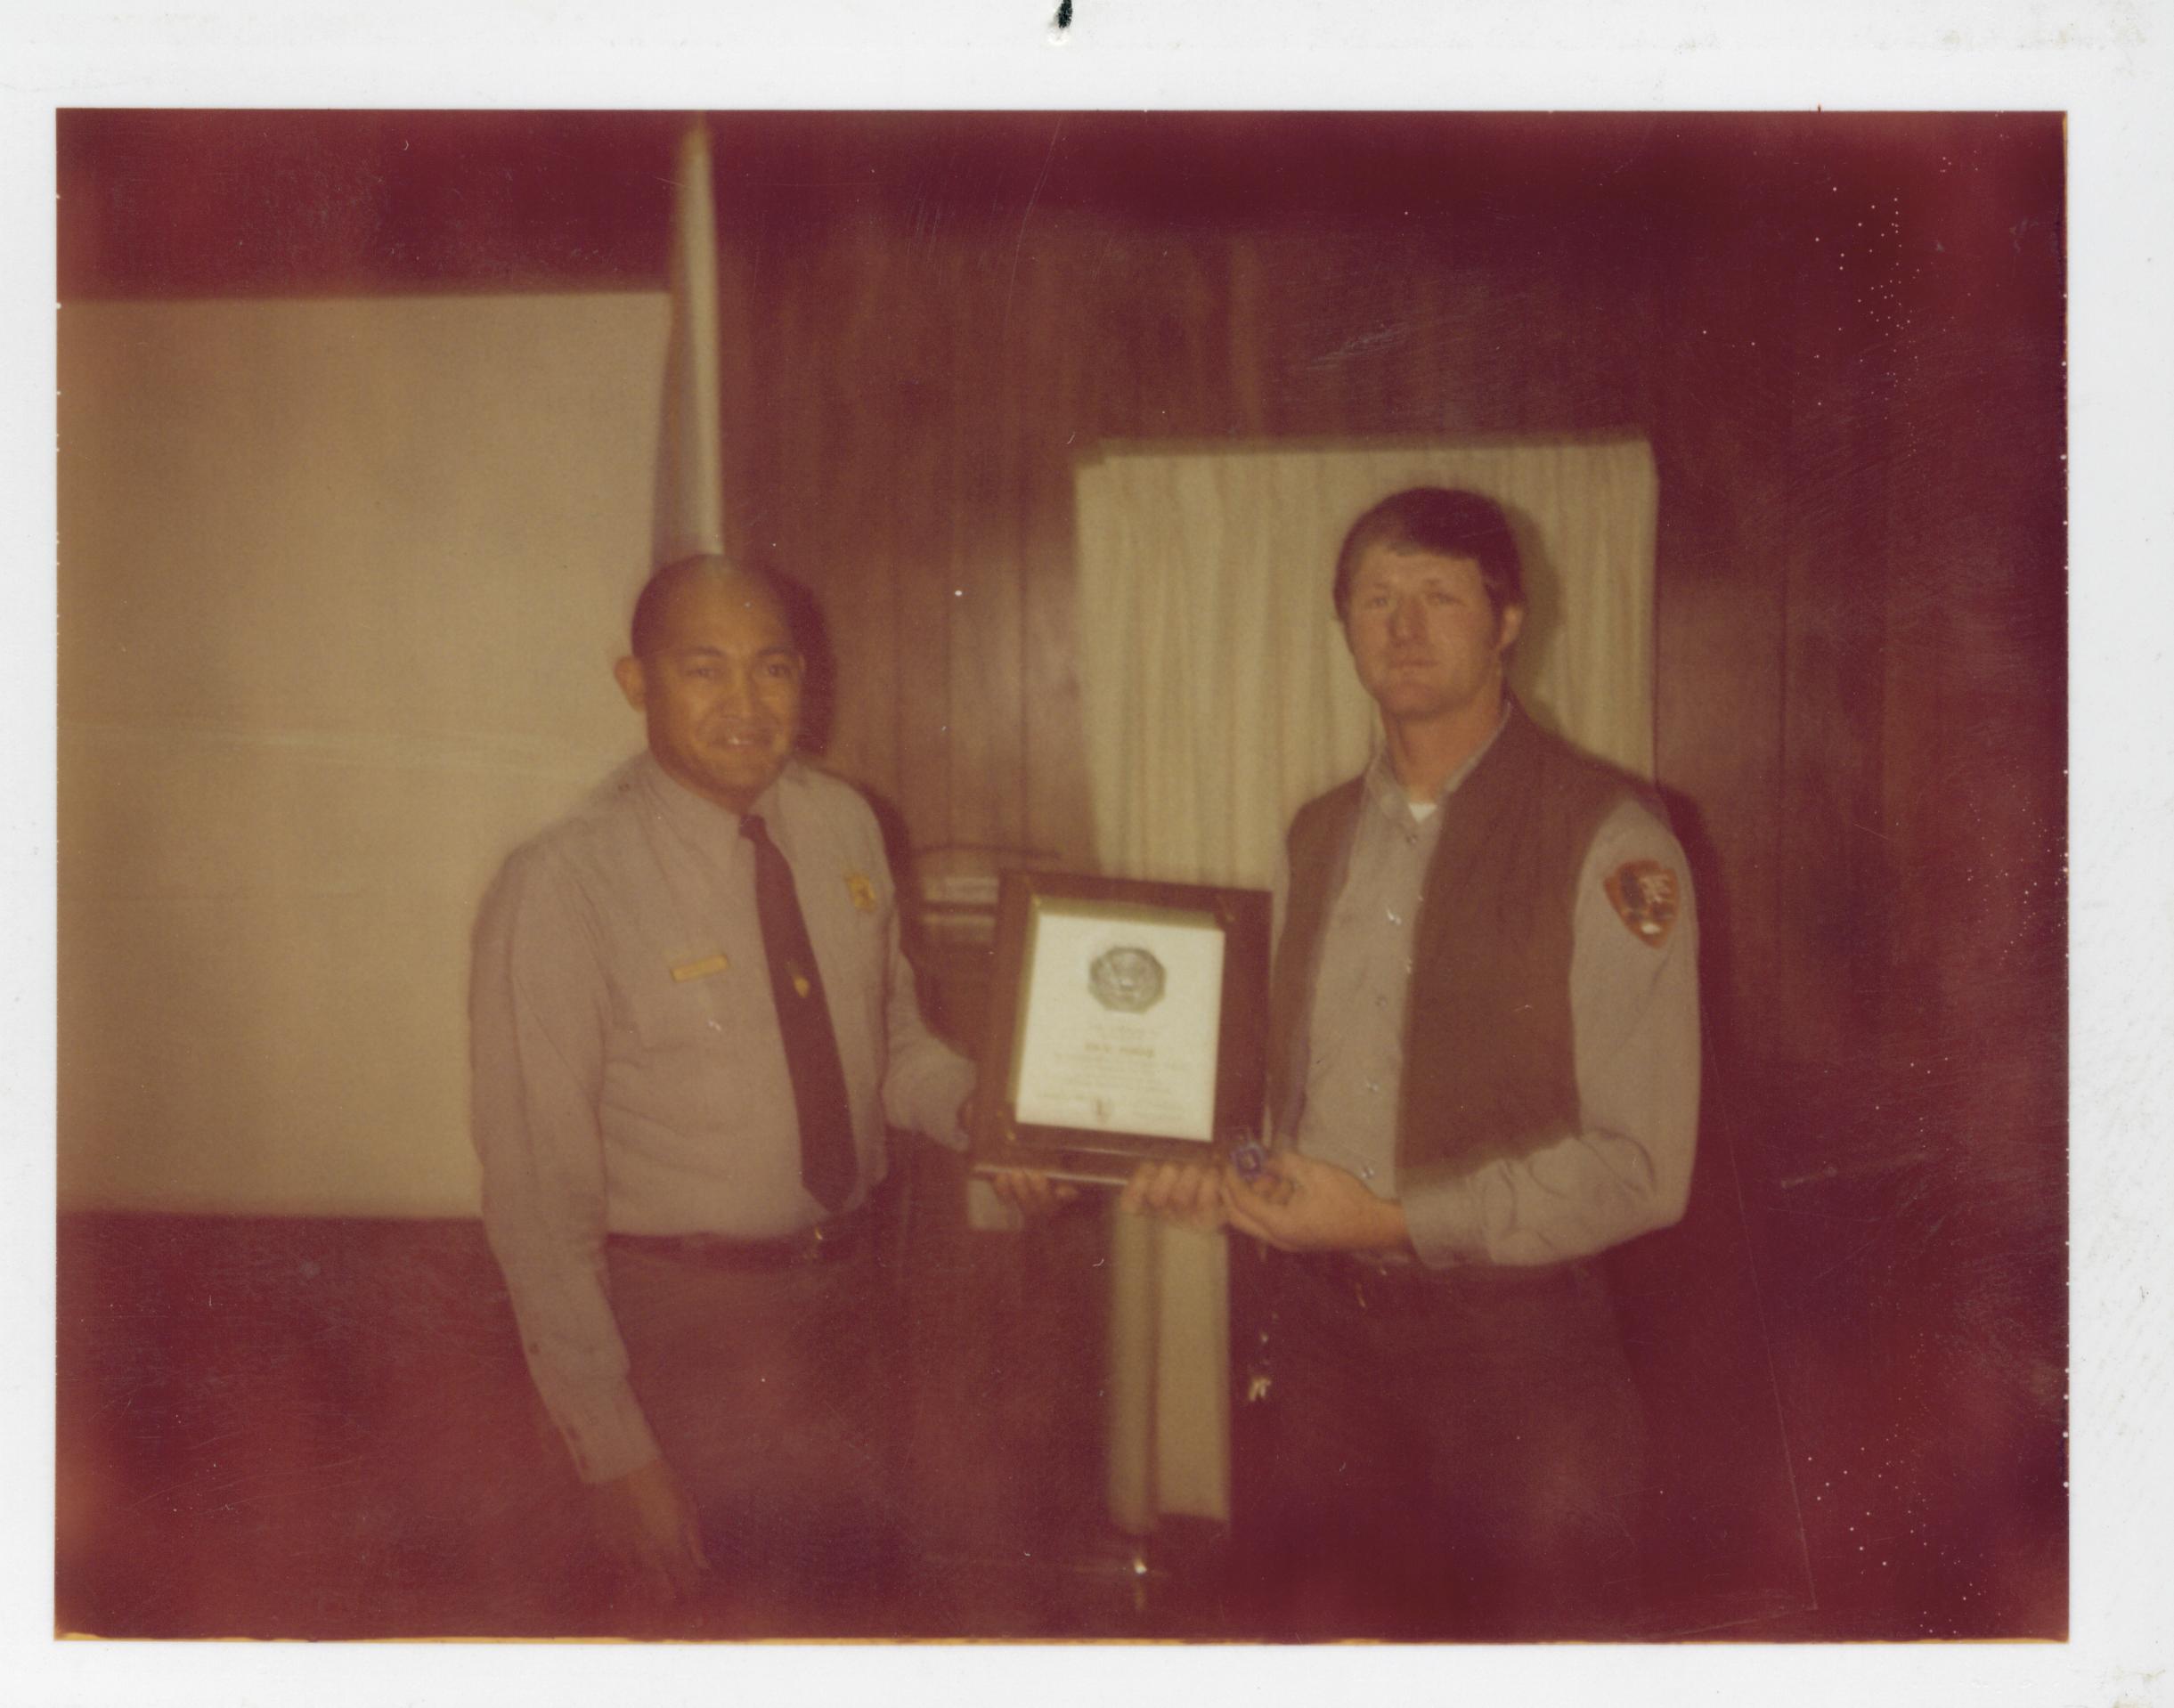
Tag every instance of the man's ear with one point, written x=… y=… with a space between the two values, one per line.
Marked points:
x=1512 y=620
x=628 y=671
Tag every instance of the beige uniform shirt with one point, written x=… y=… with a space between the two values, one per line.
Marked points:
x=1634 y=1022
x=628 y=1076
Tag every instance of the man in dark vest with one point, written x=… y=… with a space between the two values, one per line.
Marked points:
x=1483 y=1072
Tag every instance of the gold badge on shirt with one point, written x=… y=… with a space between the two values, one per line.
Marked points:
x=862 y=891
x=1643 y=893
x=703 y=969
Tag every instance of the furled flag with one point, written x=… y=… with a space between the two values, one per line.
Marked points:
x=690 y=502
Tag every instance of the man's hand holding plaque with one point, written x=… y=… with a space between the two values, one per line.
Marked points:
x=1253 y=1192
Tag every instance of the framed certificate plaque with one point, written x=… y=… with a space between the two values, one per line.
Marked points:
x=1128 y=1021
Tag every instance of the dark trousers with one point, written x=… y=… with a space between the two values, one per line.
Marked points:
x=775 y=1396
x=1431 y=1457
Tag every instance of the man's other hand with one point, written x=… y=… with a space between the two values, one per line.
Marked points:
x=1302 y=1204
x=648 y=1523
x=1188 y=1194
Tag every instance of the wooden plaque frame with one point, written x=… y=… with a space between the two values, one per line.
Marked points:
x=1002 y=1141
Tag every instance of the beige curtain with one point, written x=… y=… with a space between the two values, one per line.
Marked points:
x=1218 y=697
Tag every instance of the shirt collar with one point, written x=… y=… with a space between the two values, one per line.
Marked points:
x=1387 y=792
x=696 y=816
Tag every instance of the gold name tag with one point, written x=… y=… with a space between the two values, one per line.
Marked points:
x=700 y=969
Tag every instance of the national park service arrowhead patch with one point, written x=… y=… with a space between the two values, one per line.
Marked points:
x=863 y=893
x=1644 y=895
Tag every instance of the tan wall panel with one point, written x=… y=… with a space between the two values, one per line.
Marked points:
x=340 y=586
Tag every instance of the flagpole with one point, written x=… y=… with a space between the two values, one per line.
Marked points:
x=689 y=515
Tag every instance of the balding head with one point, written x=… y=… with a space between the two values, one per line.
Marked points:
x=659 y=591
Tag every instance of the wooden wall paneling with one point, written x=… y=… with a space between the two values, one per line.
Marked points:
x=849 y=399
x=1245 y=347
x=1116 y=393
x=1617 y=268
x=1918 y=752
x=1967 y=1310
x=1544 y=326
x=1977 y=796
x=1362 y=330
x=892 y=584
x=1978 y=676
x=1601 y=284
x=1804 y=1081
x=778 y=424
x=1062 y=366
x=1149 y=303
x=982 y=592
x=1340 y=314
x=918 y=451
x=1299 y=276
x=1280 y=336
x=1401 y=363
x=1356 y=333
x=744 y=356
x=1492 y=348
x=878 y=354
x=1830 y=272
x=1200 y=295
x=1461 y=364
x=1719 y=631
x=1427 y=343
x=1380 y=371
x=1322 y=332
x=1909 y=1222
x=1058 y=806
x=1669 y=346
x=196 y=203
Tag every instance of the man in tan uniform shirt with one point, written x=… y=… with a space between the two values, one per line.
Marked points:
x=705 y=1333
x=1445 y=1437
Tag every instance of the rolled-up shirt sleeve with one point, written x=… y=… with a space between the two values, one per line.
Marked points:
x=539 y=1009
x=1634 y=1016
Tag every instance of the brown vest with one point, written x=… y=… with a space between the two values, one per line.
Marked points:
x=1488 y=1067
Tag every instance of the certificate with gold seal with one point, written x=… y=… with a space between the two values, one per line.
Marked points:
x=1127 y=1023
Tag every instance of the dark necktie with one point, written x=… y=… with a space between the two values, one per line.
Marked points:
x=828 y=1167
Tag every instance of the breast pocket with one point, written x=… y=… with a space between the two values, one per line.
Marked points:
x=690 y=1012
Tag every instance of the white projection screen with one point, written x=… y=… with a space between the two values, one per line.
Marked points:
x=340 y=585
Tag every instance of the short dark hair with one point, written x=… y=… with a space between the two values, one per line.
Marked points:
x=1448 y=523
x=649 y=603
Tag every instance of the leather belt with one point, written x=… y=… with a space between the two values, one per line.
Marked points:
x=836 y=1241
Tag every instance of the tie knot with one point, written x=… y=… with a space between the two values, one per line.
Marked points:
x=753 y=829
